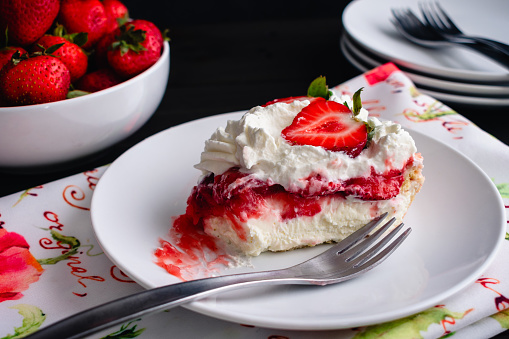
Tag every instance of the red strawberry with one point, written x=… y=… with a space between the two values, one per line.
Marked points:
x=73 y=57
x=115 y=11
x=330 y=125
x=98 y=80
x=100 y=54
x=34 y=80
x=102 y=46
x=150 y=27
x=7 y=52
x=27 y=20
x=136 y=48
x=290 y=100
x=87 y=16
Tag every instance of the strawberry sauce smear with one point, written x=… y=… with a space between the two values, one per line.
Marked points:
x=237 y=197
x=190 y=253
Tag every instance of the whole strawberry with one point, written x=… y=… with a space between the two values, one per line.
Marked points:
x=33 y=80
x=70 y=53
x=100 y=53
x=88 y=16
x=150 y=28
x=7 y=52
x=98 y=80
x=136 y=48
x=27 y=20
x=117 y=13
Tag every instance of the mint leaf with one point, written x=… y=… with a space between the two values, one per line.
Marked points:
x=357 y=104
x=319 y=89
x=371 y=133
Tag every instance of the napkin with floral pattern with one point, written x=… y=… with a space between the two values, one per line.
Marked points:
x=51 y=266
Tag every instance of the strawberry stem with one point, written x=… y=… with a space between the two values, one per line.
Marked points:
x=123 y=20
x=59 y=30
x=50 y=50
x=79 y=39
x=129 y=39
x=17 y=57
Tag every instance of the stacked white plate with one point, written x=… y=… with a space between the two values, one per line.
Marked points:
x=454 y=74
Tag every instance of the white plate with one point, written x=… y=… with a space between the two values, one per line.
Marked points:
x=458 y=224
x=440 y=89
x=437 y=84
x=368 y=22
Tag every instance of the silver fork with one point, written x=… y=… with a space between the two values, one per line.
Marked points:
x=438 y=19
x=421 y=33
x=349 y=258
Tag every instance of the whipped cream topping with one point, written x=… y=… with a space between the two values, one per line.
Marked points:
x=254 y=143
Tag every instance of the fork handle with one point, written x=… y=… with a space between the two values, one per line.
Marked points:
x=488 y=43
x=131 y=307
x=489 y=50
x=495 y=44
x=501 y=58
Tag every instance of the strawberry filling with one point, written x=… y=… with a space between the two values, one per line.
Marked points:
x=375 y=187
x=239 y=196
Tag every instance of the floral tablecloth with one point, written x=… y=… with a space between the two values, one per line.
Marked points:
x=51 y=265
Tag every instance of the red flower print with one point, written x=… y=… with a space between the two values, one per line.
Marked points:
x=379 y=74
x=18 y=267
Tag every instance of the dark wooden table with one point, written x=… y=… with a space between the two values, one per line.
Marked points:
x=228 y=57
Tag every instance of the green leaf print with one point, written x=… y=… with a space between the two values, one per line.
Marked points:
x=432 y=112
x=89 y=251
x=74 y=245
x=409 y=327
x=503 y=189
x=26 y=193
x=125 y=332
x=33 y=318
x=502 y=317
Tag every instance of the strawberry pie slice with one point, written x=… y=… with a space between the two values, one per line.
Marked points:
x=302 y=171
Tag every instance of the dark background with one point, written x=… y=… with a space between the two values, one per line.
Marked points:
x=246 y=51
x=251 y=51
x=232 y=55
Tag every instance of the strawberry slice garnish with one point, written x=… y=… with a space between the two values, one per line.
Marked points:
x=330 y=125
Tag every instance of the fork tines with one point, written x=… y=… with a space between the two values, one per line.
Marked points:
x=363 y=252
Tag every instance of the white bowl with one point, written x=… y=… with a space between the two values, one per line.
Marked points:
x=57 y=132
